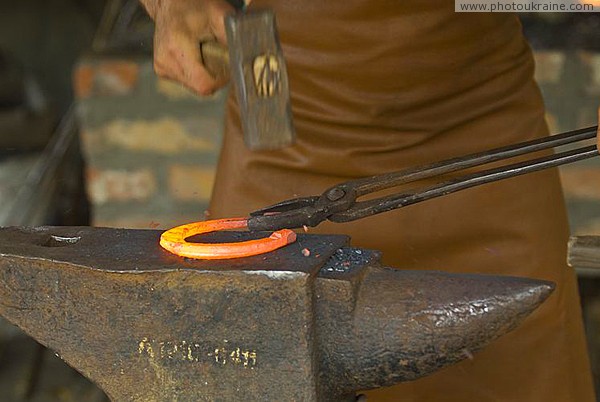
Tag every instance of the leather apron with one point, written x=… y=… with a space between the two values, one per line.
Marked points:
x=378 y=86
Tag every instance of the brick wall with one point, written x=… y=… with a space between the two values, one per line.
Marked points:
x=150 y=146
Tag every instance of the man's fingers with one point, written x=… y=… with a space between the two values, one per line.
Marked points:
x=200 y=81
x=165 y=65
x=197 y=80
x=217 y=11
x=195 y=75
x=177 y=57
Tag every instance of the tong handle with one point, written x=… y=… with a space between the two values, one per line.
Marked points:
x=381 y=182
x=384 y=204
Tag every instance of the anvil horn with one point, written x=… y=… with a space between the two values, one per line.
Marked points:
x=402 y=325
x=146 y=325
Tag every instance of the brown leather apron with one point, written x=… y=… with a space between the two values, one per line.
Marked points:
x=380 y=85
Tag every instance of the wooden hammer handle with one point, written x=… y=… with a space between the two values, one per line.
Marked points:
x=215 y=58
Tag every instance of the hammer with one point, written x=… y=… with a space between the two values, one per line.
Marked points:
x=254 y=61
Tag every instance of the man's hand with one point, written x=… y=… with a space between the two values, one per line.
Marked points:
x=181 y=25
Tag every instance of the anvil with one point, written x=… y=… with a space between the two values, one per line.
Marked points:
x=315 y=321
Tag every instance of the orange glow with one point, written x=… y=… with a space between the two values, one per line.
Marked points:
x=174 y=241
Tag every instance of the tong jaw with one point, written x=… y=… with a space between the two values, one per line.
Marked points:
x=304 y=211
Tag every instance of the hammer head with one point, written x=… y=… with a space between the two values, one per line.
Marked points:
x=260 y=79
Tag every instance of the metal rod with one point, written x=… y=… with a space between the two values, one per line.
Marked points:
x=367 y=208
x=382 y=182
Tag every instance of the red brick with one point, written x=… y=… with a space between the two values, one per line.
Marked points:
x=581 y=182
x=191 y=183
x=110 y=185
x=107 y=78
x=83 y=80
x=117 y=77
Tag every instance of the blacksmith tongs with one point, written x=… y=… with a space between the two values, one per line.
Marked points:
x=339 y=203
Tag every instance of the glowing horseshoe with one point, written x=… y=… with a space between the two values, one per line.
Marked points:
x=174 y=240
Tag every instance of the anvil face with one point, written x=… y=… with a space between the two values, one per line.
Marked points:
x=147 y=325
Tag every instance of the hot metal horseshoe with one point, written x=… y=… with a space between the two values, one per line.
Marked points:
x=174 y=240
